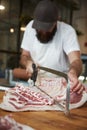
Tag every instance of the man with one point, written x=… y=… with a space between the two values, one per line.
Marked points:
x=50 y=43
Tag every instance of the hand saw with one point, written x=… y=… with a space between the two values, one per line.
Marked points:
x=67 y=112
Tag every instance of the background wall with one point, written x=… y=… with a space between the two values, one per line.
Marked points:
x=80 y=23
x=18 y=13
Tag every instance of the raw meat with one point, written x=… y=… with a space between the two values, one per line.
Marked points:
x=56 y=88
x=8 y=123
x=22 y=98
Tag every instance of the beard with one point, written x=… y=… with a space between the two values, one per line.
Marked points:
x=48 y=36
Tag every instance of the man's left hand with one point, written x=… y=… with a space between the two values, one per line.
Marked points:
x=76 y=85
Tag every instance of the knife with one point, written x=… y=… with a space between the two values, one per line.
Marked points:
x=4 y=88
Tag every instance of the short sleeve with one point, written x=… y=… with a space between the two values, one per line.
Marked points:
x=28 y=37
x=70 y=41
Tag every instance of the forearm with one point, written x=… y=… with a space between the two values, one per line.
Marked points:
x=76 y=67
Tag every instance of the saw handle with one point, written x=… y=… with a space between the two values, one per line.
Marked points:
x=34 y=75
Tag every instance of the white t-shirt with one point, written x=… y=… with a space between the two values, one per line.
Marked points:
x=54 y=54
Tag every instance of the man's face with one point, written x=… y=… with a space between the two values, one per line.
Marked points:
x=44 y=37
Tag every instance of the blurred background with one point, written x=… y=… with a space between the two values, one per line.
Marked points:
x=15 y=15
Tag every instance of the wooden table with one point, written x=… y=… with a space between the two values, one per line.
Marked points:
x=51 y=120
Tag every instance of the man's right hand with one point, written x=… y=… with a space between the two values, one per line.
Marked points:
x=29 y=68
x=26 y=62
